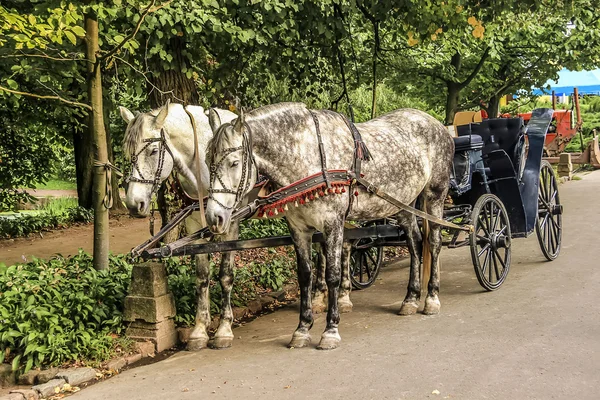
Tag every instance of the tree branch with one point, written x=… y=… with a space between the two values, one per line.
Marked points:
x=37 y=96
x=476 y=70
x=154 y=87
x=118 y=47
x=23 y=55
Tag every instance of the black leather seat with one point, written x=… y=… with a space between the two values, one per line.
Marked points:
x=471 y=142
x=499 y=134
x=466 y=140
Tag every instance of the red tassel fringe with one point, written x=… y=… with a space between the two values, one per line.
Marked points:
x=303 y=198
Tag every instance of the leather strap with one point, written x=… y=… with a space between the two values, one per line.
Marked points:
x=198 y=169
x=321 y=148
x=405 y=207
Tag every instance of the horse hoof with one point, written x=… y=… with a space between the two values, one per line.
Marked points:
x=299 y=340
x=409 y=308
x=432 y=306
x=223 y=342
x=345 y=306
x=329 y=341
x=197 y=344
x=319 y=307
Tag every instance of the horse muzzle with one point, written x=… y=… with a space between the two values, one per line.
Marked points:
x=218 y=221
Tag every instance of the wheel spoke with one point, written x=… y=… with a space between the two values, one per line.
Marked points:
x=371 y=258
x=483 y=249
x=495 y=266
x=367 y=266
x=486 y=260
x=496 y=255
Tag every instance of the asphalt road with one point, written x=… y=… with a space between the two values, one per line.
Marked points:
x=538 y=337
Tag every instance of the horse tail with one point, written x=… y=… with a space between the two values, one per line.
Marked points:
x=426 y=267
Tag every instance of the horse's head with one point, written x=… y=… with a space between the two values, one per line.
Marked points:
x=146 y=144
x=232 y=170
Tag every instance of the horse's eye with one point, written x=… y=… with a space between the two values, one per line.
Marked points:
x=235 y=164
x=154 y=151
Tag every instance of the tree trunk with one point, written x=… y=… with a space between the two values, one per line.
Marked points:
x=182 y=89
x=493 y=108
x=98 y=136
x=83 y=167
x=452 y=98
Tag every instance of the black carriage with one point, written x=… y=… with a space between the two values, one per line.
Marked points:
x=500 y=189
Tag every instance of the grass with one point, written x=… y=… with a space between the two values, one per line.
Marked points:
x=59 y=204
x=57 y=184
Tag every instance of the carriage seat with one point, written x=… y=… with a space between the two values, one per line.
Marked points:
x=466 y=140
x=500 y=135
x=465 y=143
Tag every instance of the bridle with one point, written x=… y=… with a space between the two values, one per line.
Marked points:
x=163 y=148
x=247 y=162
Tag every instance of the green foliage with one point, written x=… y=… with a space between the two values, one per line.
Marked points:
x=61 y=310
x=274 y=273
x=258 y=228
x=58 y=184
x=25 y=225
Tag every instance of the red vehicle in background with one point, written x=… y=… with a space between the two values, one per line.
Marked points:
x=565 y=125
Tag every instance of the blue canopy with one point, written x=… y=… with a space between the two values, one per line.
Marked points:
x=587 y=82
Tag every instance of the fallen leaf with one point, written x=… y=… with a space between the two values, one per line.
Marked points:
x=287 y=387
x=435 y=392
x=185 y=390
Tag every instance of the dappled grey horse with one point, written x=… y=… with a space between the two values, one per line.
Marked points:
x=411 y=159
x=157 y=143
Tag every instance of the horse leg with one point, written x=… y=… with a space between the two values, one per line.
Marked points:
x=414 y=241
x=224 y=336
x=330 y=339
x=435 y=206
x=302 y=237
x=319 y=301
x=344 y=303
x=199 y=336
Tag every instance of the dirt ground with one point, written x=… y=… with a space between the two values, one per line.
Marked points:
x=125 y=233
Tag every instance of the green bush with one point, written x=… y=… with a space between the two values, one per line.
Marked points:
x=258 y=228
x=27 y=224
x=61 y=310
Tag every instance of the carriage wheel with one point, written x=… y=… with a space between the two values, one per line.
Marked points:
x=365 y=263
x=490 y=241
x=549 y=222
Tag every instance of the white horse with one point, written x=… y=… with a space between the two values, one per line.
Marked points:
x=157 y=143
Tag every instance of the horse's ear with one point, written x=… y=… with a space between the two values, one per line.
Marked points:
x=159 y=121
x=126 y=114
x=239 y=124
x=214 y=120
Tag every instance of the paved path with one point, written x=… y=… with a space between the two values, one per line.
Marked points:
x=538 y=337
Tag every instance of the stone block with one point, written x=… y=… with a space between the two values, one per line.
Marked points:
x=166 y=341
x=148 y=280
x=141 y=329
x=565 y=166
x=27 y=394
x=77 y=376
x=145 y=348
x=7 y=376
x=239 y=312
x=149 y=309
x=47 y=375
x=133 y=358
x=116 y=364
x=255 y=306
x=49 y=388
x=30 y=378
x=266 y=301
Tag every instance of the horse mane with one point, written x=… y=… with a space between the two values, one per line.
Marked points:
x=134 y=132
x=220 y=139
